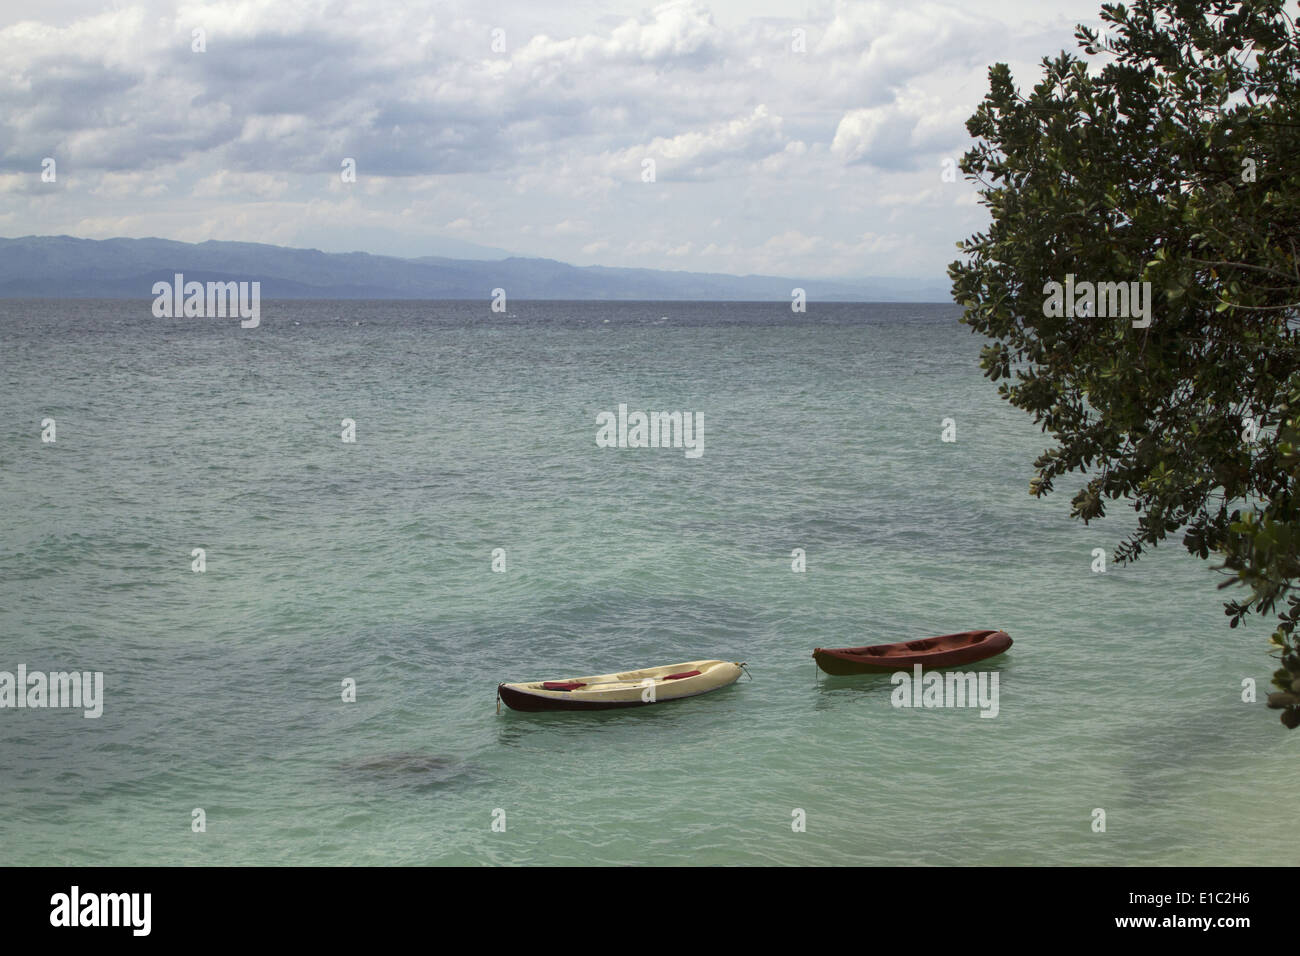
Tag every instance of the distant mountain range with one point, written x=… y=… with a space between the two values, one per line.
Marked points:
x=66 y=267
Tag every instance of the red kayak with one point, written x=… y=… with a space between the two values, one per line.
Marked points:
x=948 y=650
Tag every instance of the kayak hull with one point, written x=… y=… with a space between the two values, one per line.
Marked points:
x=946 y=650
x=517 y=699
x=639 y=688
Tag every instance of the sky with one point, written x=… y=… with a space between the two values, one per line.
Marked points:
x=786 y=138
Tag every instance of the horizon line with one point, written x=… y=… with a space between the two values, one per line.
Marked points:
x=507 y=258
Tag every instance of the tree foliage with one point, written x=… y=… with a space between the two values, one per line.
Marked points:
x=1169 y=153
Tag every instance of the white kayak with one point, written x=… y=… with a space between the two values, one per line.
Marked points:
x=650 y=685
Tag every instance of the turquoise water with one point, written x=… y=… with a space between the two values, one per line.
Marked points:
x=475 y=431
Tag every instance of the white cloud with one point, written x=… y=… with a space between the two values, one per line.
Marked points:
x=766 y=158
x=901 y=133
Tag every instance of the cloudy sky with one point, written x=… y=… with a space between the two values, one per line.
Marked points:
x=521 y=126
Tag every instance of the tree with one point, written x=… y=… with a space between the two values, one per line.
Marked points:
x=1169 y=154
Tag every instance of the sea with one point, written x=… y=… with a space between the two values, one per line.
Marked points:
x=300 y=636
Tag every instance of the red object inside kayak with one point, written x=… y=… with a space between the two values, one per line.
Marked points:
x=562 y=684
x=681 y=675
